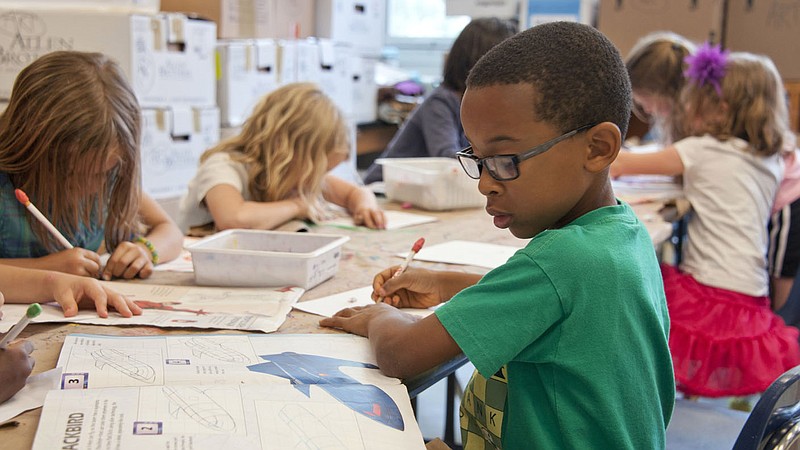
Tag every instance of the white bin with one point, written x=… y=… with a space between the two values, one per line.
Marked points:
x=430 y=183
x=251 y=258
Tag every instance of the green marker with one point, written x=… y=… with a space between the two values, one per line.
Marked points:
x=34 y=310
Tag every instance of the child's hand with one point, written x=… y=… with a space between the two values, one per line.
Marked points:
x=356 y=320
x=76 y=261
x=71 y=292
x=414 y=288
x=370 y=218
x=15 y=366
x=128 y=261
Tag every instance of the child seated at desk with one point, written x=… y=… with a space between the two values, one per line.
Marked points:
x=18 y=285
x=276 y=169
x=725 y=340
x=569 y=337
x=70 y=140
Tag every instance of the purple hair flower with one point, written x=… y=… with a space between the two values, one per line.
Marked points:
x=707 y=66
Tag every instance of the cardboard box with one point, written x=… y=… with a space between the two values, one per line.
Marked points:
x=253 y=258
x=225 y=13
x=365 y=90
x=357 y=23
x=284 y=19
x=793 y=93
x=247 y=70
x=287 y=61
x=172 y=141
x=626 y=21
x=129 y=6
x=769 y=28
x=168 y=58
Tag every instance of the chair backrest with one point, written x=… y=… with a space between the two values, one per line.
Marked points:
x=775 y=419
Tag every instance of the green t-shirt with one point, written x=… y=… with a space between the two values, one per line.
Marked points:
x=577 y=321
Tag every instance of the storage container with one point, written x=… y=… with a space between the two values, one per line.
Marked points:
x=266 y=258
x=430 y=183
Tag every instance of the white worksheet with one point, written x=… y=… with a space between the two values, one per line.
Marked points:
x=330 y=305
x=468 y=253
x=242 y=391
x=230 y=308
x=394 y=220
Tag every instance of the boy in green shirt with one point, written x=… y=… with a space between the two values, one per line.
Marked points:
x=569 y=337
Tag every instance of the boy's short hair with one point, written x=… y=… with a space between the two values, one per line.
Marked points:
x=577 y=72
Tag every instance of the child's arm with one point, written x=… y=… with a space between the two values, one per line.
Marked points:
x=404 y=345
x=419 y=288
x=28 y=286
x=230 y=210
x=75 y=261
x=135 y=258
x=663 y=162
x=15 y=366
x=359 y=201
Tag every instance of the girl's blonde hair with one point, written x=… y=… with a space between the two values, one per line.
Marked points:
x=750 y=105
x=286 y=142
x=70 y=115
x=655 y=66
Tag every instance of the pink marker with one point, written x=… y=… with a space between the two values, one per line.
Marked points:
x=417 y=246
x=23 y=198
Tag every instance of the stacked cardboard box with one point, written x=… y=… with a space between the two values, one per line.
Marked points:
x=168 y=59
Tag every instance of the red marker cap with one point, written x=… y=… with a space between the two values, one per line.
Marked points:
x=22 y=197
x=418 y=245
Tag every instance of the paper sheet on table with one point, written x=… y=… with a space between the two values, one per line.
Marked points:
x=230 y=416
x=32 y=395
x=642 y=188
x=468 y=253
x=330 y=305
x=241 y=391
x=394 y=220
x=183 y=263
x=255 y=309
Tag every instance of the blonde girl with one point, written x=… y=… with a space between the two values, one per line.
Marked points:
x=724 y=338
x=655 y=66
x=276 y=169
x=70 y=140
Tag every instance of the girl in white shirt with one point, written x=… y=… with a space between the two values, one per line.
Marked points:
x=724 y=338
x=276 y=169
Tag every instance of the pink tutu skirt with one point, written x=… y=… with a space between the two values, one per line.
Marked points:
x=724 y=343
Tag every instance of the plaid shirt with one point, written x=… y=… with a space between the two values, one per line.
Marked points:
x=17 y=239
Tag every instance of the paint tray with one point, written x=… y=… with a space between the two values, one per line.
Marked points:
x=252 y=258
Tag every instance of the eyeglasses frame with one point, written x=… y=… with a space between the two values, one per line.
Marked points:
x=517 y=158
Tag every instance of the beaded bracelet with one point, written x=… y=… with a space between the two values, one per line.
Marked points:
x=150 y=247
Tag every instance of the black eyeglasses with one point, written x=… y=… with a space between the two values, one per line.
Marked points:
x=506 y=167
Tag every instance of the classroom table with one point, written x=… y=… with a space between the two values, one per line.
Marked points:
x=366 y=253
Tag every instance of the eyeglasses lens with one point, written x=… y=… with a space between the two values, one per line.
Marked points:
x=470 y=166
x=501 y=167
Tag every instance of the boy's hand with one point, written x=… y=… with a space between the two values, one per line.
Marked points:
x=356 y=320
x=414 y=288
x=76 y=261
x=71 y=292
x=129 y=260
x=370 y=217
x=15 y=366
